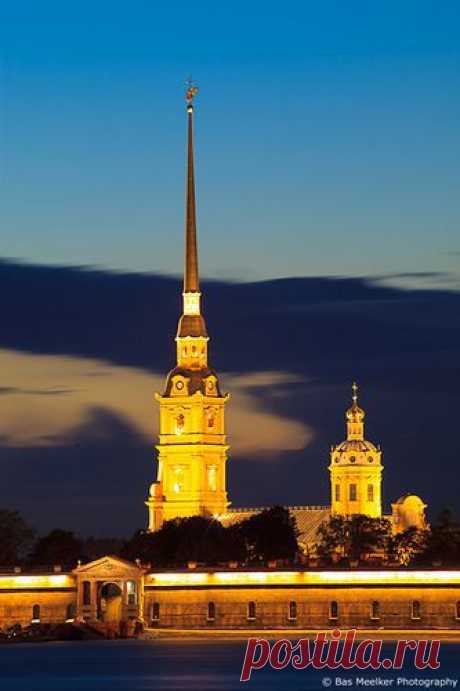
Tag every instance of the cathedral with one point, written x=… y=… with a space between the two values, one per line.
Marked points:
x=193 y=449
x=191 y=481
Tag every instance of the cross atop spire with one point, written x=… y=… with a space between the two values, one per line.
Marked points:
x=354 y=395
x=355 y=416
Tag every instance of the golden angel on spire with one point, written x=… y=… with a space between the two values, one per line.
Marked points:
x=191 y=91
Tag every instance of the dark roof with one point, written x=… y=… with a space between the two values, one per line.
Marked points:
x=308 y=519
x=192 y=325
x=196 y=380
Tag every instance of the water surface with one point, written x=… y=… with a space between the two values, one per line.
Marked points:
x=172 y=665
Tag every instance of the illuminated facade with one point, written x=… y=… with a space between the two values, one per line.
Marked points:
x=111 y=590
x=192 y=449
x=191 y=480
x=356 y=469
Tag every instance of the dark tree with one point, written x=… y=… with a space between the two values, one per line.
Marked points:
x=16 y=537
x=443 y=542
x=353 y=538
x=408 y=547
x=58 y=547
x=96 y=547
x=270 y=534
x=182 y=540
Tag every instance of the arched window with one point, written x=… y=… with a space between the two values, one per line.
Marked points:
x=375 y=610
x=337 y=492
x=251 y=611
x=86 y=593
x=415 y=610
x=292 y=611
x=131 y=592
x=370 y=493
x=211 y=611
x=333 y=610
x=155 y=612
x=70 y=612
x=457 y=610
x=353 y=492
x=36 y=614
x=180 y=422
x=212 y=478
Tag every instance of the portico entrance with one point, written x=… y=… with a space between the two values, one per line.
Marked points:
x=109 y=602
x=109 y=590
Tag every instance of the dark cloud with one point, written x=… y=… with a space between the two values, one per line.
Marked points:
x=16 y=390
x=401 y=345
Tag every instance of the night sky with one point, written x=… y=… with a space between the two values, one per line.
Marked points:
x=327 y=149
x=83 y=352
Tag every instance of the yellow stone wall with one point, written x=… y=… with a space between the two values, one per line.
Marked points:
x=183 y=599
x=188 y=608
x=19 y=594
x=362 y=477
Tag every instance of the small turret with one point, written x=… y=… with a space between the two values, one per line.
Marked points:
x=355 y=468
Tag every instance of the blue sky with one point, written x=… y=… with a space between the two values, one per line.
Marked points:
x=327 y=135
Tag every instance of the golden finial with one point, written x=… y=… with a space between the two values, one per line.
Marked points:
x=354 y=388
x=191 y=91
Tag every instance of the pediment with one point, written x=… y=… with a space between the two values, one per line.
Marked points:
x=109 y=567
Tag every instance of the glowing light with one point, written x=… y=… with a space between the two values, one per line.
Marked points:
x=306 y=577
x=35 y=581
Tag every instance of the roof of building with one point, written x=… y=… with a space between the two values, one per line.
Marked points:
x=308 y=519
x=356 y=445
x=196 y=379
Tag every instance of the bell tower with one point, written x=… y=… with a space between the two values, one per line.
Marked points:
x=192 y=449
x=356 y=469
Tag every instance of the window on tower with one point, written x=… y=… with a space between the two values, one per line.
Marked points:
x=337 y=492
x=212 y=478
x=353 y=492
x=370 y=493
x=180 y=422
x=178 y=479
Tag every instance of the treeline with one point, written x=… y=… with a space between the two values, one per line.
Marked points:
x=268 y=536
x=360 y=540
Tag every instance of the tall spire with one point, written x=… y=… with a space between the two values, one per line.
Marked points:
x=191 y=280
x=191 y=323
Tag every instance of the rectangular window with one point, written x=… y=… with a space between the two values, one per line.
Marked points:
x=251 y=611
x=155 y=612
x=375 y=610
x=131 y=592
x=212 y=478
x=86 y=593
x=178 y=479
x=333 y=610
x=353 y=492
x=211 y=611
x=337 y=492
x=415 y=610
x=370 y=493
x=292 y=611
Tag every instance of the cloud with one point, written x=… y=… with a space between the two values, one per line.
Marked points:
x=34 y=413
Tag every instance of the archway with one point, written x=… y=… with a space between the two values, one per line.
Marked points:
x=110 y=602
